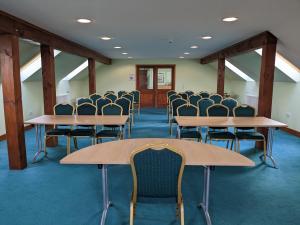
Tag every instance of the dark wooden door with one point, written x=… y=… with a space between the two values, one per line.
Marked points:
x=154 y=81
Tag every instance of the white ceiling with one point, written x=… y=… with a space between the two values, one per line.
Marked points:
x=143 y=27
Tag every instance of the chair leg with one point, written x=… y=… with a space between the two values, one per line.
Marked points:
x=170 y=130
x=68 y=145
x=265 y=150
x=181 y=214
x=238 y=146
x=227 y=145
x=75 y=143
x=132 y=212
x=231 y=147
x=45 y=145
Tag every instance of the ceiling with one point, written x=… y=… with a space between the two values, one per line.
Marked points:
x=144 y=28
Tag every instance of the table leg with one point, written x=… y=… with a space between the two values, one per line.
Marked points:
x=38 y=142
x=270 y=147
x=106 y=202
x=205 y=199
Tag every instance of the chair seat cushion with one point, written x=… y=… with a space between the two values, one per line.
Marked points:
x=58 y=131
x=221 y=135
x=83 y=132
x=108 y=133
x=190 y=134
x=249 y=135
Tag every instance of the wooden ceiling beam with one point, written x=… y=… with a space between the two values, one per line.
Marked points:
x=12 y=25
x=244 y=46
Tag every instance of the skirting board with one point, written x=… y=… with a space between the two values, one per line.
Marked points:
x=291 y=131
x=26 y=127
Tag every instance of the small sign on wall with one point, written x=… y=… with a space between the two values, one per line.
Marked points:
x=131 y=77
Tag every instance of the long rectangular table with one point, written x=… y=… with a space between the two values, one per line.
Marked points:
x=73 y=120
x=257 y=122
x=119 y=152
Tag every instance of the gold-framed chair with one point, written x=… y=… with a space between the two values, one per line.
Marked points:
x=136 y=101
x=163 y=182
x=216 y=98
x=230 y=103
x=174 y=105
x=94 y=97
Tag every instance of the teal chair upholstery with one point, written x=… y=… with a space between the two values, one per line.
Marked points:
x=95 y=97
x=120 y=93
x=189 y=93
x=193 y=99
x=102 y=102
x=157 y=176
x=230 y=103
x=84 y=100
x=219 y=133
x=171 y=92
x=188 y=132
x=174 y=105
x=109 y=92
x=204 y=94
x=203 y=104
x=183 y=95
x=112 y=97
x=216 y=98
x=136 y=100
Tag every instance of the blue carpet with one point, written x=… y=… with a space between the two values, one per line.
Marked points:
x=47 y=193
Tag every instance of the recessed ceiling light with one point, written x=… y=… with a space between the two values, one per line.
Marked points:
x=83 y=20
x=181 y=57
x=186 y=53
x=206 y=37
x=129 y=57
x=194 y=46
x=105 y=38
x=230 y=19
x=117 y=47
x=124 y=53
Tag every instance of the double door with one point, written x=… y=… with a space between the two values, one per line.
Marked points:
x=154 y=81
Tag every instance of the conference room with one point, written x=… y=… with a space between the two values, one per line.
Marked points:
x=161 y=113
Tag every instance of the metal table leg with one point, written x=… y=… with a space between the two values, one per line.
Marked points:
x=270 y=148
x=205 y=199
x=106 y=202
x=38 y=143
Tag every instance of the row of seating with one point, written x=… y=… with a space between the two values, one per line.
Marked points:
x=207 y=107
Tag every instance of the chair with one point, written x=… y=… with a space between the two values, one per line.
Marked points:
x=189 y=93
x=111 y=131
x=230 y=103
x=174 y=105
x=170 y=99
x=183 y=95
x=188 y=132
x=194 y=99
x=84 y=130
x=112 y=97
x=94 y=97
x=109 y=92
x=84 y=100
x=216 y=98
x=204 y=94
x=61 y=130
x=102 y=102
x=125 y=104
x=203 y=104
x=247 y=133
x=120 y=93
x=157 y=175
x=171 y=92
x=219 y=133
x=136 y=100
x=130 y=97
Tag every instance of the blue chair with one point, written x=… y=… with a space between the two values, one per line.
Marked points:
x=203 y=104
x=193 y=99
x=174 y=105
x=183 y=95
x=112 y=97
x=170 y=99
x=60 y=130
x=136 y=100
x=230 y=103
x=125 y=104
x=84 y=100
x=85 y=130
x=130 y=97
x=216 y=98
x=188 y=132
x=120 y=93
x=157 y=176
x=204 y=94
x=247 y=133
x=110 y=131
x=171 y=92
x=189 y=93
x=102 y=102
x=95 y=97
x=219 y=133
x=109 y=92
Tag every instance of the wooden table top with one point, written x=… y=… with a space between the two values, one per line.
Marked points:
x=118 y=152
x=227 y=121
x=78 y=120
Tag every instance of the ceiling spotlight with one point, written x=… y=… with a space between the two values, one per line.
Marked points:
x=124 y=53
x=230 y=19
x=194 y=46
x=129 y=57
x=181 y=57
x=105 y=38
x=83 y=20
x=117 y=47
x=206 y=37
x=186 y=53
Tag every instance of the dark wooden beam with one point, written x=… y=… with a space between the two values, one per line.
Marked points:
x=49 y=86
x=16 y=26
x=92 y=76
x=244 y=46
x=12 y=98
x=221 y=76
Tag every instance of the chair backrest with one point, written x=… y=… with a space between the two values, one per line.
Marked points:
x=120 y=93
x=169 y=93
x=230 y=103
x=189 y=93
x=173 y=97
x=194 y=99
x=84 y=100
x=112 y=109
x=86 y=109
x=112 y=97
x=63 y=109
x=204 y=94
x=125 y=104
x=136 y=96
x=109 y=92
x=130 y=98
x=183 y=95
x=244 y=111
x=217 y=110
x=102 y=102
x=187 y=110
x=203 y=104
x=95 y=97
x=176 y=103
x=157 y=172
x=216 y=98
